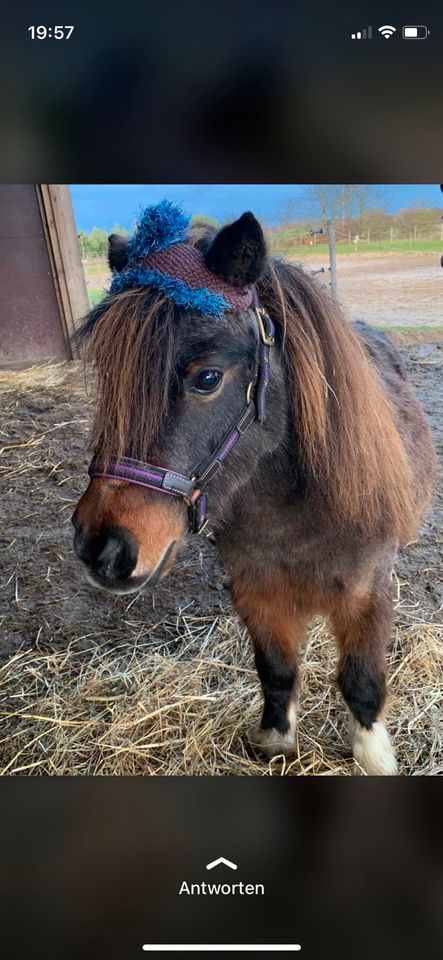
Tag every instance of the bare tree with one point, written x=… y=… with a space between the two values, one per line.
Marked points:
x=329 y=201
x=365 y=197
x=322 y=200
x=352 y=194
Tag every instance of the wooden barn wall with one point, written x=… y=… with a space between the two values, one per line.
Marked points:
x=42 y=290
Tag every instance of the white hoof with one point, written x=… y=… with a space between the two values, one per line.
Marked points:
x=373 y=750
x=272 y=742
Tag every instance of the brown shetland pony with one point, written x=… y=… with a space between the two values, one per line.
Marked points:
x=309 y=511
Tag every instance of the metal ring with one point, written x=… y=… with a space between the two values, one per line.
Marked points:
x=267 y=339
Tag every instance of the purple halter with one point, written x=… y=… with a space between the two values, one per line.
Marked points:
x=191 y=489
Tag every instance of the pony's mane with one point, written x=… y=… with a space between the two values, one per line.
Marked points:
x=348 y=441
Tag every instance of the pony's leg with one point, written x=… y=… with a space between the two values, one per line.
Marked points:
x=276 y=629
x=363 y=630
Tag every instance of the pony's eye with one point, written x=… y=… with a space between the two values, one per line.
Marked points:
x=207 y=381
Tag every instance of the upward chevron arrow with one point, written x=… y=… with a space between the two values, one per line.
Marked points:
x=227 y=863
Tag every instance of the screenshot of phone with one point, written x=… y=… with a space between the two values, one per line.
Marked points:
x=221 y=684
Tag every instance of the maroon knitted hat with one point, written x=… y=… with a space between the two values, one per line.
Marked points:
x=182 y=261
x=162 y=257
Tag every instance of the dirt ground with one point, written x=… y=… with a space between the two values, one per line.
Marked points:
x=412 y=297
x=164 y=682
x=389 y=289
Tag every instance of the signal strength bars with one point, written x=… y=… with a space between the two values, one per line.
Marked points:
x=365 y=34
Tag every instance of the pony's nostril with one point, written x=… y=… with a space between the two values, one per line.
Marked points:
x=112 y=549
x=115 y=555
x=111 y=558
x=111 y=554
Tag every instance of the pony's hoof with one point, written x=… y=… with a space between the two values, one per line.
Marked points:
x=373 y=750
x=272 y=742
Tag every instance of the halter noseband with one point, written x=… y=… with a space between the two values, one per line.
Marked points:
x=191 y=488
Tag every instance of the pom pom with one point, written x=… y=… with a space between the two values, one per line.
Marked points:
x=158 y=227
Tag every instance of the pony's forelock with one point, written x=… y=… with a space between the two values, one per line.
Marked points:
x=131 y=343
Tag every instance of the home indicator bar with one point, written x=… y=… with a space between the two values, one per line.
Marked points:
x=219 y=947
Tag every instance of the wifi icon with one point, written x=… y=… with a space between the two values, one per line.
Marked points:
x=386 y=31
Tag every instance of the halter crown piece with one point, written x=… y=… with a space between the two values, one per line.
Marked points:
x=162 y=259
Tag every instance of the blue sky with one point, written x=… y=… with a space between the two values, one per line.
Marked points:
x=104 y=205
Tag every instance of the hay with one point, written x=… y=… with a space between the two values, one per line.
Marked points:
x=138 y=709
x=92 y=685
x=46 y=375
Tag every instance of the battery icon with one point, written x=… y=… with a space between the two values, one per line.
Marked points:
x=415 y=33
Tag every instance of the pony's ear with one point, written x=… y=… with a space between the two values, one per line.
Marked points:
x=238 y=252
x=117 y=252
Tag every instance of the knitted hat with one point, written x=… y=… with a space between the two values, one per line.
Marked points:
x=162 y=258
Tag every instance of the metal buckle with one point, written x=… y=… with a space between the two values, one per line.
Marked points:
x=249 y=392
x=265 y=337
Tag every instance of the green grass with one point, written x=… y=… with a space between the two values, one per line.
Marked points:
x=95 y=296
x=398 y=246
x=96 y=269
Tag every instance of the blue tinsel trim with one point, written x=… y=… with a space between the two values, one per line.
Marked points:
x=200 y=300
x=159 y=226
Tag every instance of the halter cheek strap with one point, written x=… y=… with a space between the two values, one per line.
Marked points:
x=192 y=489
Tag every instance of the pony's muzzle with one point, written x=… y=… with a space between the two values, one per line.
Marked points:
x=127 y=537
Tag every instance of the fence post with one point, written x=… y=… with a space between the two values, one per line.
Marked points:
x=332 y=259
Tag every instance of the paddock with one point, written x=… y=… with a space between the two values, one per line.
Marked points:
x=164 y=683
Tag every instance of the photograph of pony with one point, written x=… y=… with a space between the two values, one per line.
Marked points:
x=236 y=406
